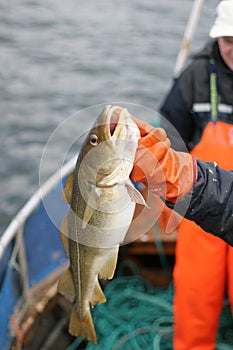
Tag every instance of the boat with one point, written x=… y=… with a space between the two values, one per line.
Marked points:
x=35 y=316
x=31 y=258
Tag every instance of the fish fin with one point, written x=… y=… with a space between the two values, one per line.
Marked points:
x=135 y=195
x=65 y=243
x=66 y=286
x=64 y=235
x=89 y=211
x=68 y=189
x=82 y=328
x=98 y=296
x=109 y=267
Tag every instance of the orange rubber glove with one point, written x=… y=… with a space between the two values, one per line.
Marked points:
x=165 y=172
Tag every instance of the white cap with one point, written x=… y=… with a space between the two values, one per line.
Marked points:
x=223 y=25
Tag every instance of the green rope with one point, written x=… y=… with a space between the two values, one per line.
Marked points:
x=75 y=344
x=139 y=316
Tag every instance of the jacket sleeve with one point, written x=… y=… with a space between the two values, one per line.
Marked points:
x=176 y=110
x=210 y=203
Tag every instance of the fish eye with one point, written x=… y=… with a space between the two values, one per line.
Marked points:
x=94 y=140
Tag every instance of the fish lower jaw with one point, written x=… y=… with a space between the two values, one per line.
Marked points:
x=100 y=184
x=110 y=181
x=105 y=185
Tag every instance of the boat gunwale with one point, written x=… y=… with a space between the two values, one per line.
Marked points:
x=20 y=218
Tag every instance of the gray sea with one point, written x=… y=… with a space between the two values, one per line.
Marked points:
x=60 y=58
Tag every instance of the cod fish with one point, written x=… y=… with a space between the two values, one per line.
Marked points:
x=102 y=201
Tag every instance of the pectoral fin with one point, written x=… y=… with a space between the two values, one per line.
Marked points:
x=90 y=207
x=68 y=189
x=135 y=195
x=89 y=211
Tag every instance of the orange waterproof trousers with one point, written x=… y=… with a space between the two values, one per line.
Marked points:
x=204 y=263
x=200 y=283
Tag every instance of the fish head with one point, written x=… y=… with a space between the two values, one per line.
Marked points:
x=109 y=150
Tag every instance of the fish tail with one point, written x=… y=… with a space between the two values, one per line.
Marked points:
x=82 y=328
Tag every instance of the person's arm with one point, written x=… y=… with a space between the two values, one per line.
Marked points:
x=210 y=202
x=200 y=191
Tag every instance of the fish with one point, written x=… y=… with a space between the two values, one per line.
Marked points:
x=102 y=201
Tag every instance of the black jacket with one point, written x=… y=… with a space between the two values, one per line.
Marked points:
x=210 y=203
x=187 y=106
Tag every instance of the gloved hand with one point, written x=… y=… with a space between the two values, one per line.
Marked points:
x=164 y=171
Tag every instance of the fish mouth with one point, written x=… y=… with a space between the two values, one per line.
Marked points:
x=116 y=116
x=117 y=120
x=114 y=119
x=121 y=132
x=119 y=123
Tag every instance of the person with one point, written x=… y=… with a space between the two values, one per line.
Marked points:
x=200 y=107
x=200 y=191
